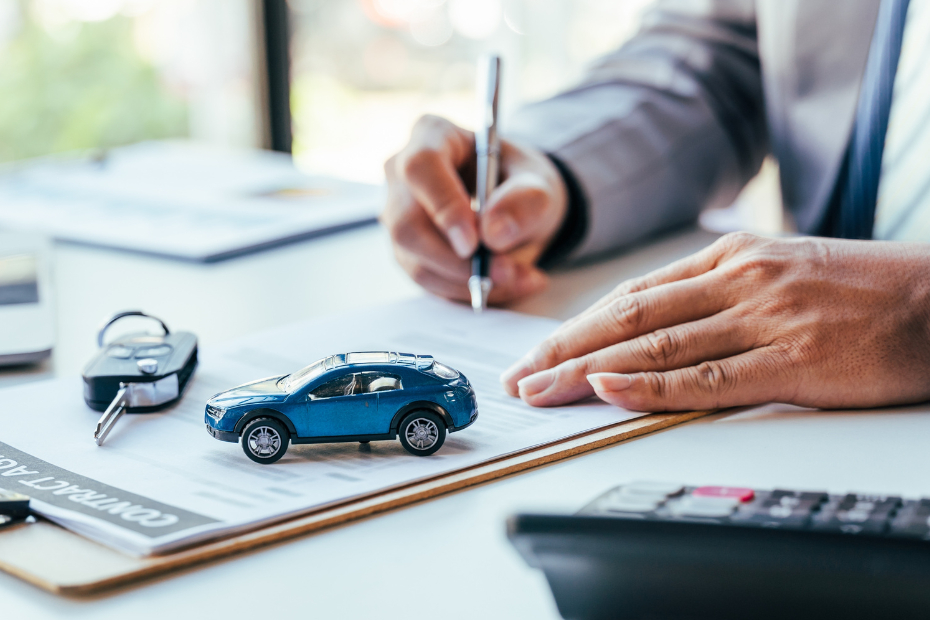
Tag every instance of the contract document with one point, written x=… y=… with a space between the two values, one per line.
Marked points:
x=180 y=199
x=161 y=481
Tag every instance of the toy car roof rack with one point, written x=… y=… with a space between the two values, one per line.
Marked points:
x=421 y=362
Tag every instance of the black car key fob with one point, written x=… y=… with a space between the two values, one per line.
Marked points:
x=137 y=373
x=14 y=507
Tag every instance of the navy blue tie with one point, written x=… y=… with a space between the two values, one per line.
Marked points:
x=852 y=212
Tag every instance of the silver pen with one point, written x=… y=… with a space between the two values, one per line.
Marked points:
x=487 y=147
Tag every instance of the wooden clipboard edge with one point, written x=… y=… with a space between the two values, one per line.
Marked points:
x=368 y=506
x=29 y=577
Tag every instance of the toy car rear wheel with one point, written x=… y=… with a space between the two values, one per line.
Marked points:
x=264 y=440
x=422 y=432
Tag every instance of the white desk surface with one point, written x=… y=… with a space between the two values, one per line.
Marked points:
x=447 y=558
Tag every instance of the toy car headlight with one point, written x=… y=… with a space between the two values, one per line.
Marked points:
x=216 y=413
x=442 y=371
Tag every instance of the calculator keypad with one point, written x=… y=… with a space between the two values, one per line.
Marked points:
x=778 y=509
x=912 y=520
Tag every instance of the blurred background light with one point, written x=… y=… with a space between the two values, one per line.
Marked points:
x=88 y=10
x=514 y=16
x=395 y=13
x=431 y=27
x=476 y=19
x=11 y=21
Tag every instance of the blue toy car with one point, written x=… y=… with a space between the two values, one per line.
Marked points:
x=347 y=397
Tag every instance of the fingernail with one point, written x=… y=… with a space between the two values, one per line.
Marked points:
x=503 y=231
x=461 y=241
x=534 y=384
x=610 y=381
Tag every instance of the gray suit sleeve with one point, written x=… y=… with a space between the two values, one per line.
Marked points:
x=670 y=123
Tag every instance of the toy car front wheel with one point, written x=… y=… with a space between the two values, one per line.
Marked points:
x=264 y=440
x=422 y=432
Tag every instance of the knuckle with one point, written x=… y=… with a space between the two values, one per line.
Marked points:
x=657 y=385
x=401 y=231
x=797 y=349
x=447 y=214
x=535 y=198
x=662 y=347
x=419 y=273
x=577 y=367
x=736 y=240
x=628 y=311
x=404 y=235
x=428 y=121
x=712 y=377
x=817 y=252
x=418 y=163
x=630 y=286
x=390 y=165
x=548 y=354
x=761 y=266
x=391 y=214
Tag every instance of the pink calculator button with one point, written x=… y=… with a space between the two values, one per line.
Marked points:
x=743 y=495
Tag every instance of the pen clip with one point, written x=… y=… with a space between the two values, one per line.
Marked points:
x=489 y=74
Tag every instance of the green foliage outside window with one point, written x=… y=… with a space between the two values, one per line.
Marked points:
x=87 y=89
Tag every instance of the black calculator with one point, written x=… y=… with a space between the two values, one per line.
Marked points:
x=653 y=550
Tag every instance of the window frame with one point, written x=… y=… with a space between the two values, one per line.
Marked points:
x=312 y=397
x=382 y=374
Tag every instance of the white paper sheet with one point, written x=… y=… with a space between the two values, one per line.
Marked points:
x=180 y=199
x=163 y=464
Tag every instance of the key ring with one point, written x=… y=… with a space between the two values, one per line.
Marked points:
x=103 y=328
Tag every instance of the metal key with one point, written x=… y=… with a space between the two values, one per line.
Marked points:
x=132 y=395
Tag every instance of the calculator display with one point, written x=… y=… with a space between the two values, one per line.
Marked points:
x=18 y=280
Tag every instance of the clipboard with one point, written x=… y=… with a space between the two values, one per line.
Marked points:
x=66 y=564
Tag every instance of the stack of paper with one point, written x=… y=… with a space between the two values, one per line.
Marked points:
x=180 y=199
x=160 y=481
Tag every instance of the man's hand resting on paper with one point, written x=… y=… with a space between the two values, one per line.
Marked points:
x=809 y=321
x=434 y=230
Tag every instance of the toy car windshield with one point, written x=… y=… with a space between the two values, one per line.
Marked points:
x=297 y=379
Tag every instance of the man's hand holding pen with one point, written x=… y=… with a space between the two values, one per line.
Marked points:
x=432 y=225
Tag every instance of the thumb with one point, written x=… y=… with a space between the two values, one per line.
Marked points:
x=520 y=211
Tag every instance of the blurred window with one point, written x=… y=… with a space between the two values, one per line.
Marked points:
x=18 y=280
x=78 y=74
x=364 y=70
